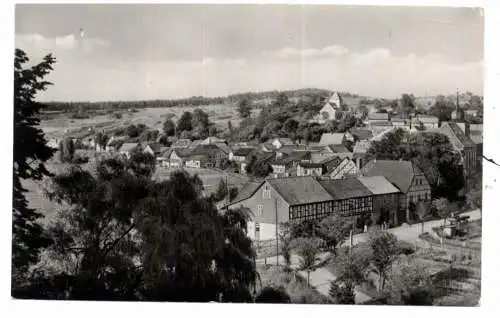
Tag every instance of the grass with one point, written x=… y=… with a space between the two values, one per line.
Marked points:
x=295 y=285
x=57 y=126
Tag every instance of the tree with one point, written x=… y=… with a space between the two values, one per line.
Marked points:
x=30 y=154
x=409 y=283
x=291 y=126
x=141 y=163
x=200 y=123
x=270 y=295
x=133 y=131
x=66 y=150
x=101 y=140
x=221 y=191
x=385 y=250
x=187 y=251
x=407 y=104
x=333 y=230
x=169 y=127
x=185 y=122
x=244 y=108
x=233 y=192
x=285 y=243
x=442 y=109
x=342 y=292
x=308 y=249
x=281 y=100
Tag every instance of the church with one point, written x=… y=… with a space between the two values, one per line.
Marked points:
x=329 y=110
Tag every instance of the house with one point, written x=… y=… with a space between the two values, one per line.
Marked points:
x=340 y=168
x=310 y=169
x=212 y=140
x=273 y=201
x=114 y=143
x=385 y=199
x=429 y=122
x=163 y=156
x=197 y=161
x=214 y=153
x=399 y=122
x=332 y=139
x=350 y=198
x=329 y=110
x=181 y=143
x=280 y=142
x=153 y=149
x=240 y=154
x=405 y=176
x=178 y=156
x=128 y=148
x=462 y=144
x=289 y=149
x=359 y=152
x=472 y=112
x=285 y=165
x=321 y=153
x=376 y=117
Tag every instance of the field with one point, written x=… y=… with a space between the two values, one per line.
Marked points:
x=151 y=117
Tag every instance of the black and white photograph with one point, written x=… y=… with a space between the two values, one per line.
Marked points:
x=248 y=153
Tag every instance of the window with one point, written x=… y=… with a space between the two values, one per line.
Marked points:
x=266 y=194
x=260 y=209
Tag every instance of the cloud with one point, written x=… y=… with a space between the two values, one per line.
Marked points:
x=37 y=45
x=288 y=52
x=99 y=75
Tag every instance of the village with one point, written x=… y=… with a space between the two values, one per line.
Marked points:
x=308 y=179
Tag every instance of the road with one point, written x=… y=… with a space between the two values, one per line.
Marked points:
x=410 y=233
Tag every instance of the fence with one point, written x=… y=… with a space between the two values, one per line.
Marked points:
x=265 y=248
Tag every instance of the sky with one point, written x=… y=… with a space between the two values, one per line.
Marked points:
x=164 y=51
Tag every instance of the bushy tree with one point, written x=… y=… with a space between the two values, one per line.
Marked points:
x=334 y=230
x=342 y=292
x=308 y=249
x=66 y=150
x=122 y=236
x=409 y=283
x=30 y=154
x=185 y=123
x=169 y=127
x=270 y=295
x=200 y=123
x=221 y=191
x=385 y=250
x=244 y=108
x=101 y=140
x=285 y=243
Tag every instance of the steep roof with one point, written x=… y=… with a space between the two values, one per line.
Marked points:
x=300 y=190
x=362 y=134
x=428 y=119
x=456 y=135
x=129 y=146
x=243 y=151
x=155 y=146
x=331 y=139
x=398 y=172
x=182 y=152
x=247 y=191
x=378 y=185
x=181 y=143
x=381 y=123
x=476 y=137
x=361 y=146
x=311 y=165
x=338 y=148
x=212 y=140
x=284 y=141
x=341 y=189
x=378 y=116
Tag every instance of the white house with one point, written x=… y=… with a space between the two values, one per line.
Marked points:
x=280 y=142
x=129 y=148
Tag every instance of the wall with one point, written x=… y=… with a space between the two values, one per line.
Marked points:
x=267 y=231
x=345 y=167
x=268 y=208
x=389 y=203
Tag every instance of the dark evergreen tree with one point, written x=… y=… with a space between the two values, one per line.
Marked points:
x=30 y=153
